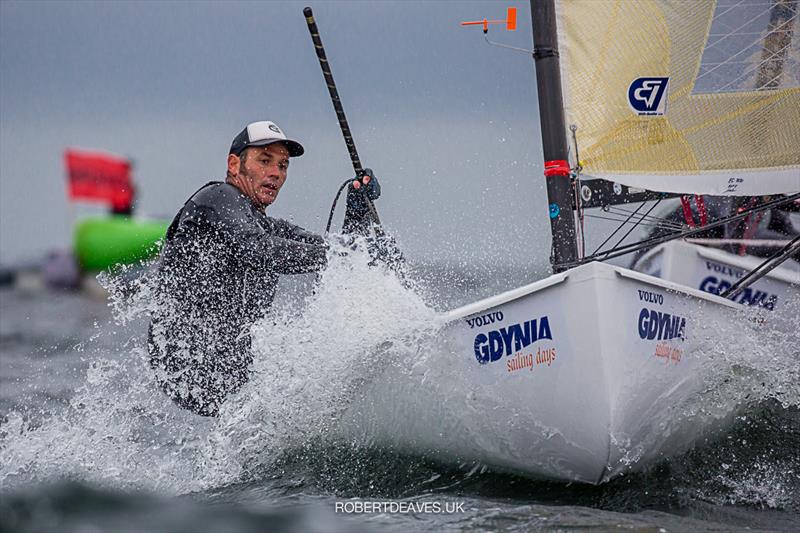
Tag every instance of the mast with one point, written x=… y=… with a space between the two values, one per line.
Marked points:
x=554 y=134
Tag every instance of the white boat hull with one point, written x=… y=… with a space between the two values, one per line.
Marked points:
x=714 y=271
x=576 y=377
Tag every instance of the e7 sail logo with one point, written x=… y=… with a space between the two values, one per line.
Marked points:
x=647 y=96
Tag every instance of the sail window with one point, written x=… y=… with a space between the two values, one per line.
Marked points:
x=753 y=45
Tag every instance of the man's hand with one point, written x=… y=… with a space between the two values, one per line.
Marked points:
x=368 y=184
x=362 y=189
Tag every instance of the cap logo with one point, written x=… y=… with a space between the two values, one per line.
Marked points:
x=263 y=133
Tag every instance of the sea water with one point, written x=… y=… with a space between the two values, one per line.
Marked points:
x=88 y=442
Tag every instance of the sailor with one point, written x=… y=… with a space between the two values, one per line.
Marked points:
x=220 y=265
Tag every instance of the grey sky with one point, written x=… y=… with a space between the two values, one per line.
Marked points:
x=448 y=123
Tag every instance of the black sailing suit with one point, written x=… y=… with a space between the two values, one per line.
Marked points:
x=217 y=275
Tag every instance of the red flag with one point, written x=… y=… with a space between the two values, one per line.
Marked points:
x=97 y=176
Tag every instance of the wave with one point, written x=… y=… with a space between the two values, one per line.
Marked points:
x=315 y=355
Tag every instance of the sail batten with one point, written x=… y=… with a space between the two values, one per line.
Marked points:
x=692 y=97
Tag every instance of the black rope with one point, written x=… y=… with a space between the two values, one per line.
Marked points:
x=335 y=200
x=635 y=225
x=618 y=228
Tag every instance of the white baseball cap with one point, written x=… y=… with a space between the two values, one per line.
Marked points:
x=261 y=134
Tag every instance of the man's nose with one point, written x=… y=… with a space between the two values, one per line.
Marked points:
x=274 y=170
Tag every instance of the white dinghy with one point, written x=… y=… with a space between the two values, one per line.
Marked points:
x=576 y=377
x=598 y=369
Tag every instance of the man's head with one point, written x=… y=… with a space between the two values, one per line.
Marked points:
x=258 y=161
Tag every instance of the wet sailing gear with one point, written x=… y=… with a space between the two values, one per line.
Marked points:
x=357 y=216
x=218 y=272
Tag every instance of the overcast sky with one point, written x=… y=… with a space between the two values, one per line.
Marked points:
x=448 y=123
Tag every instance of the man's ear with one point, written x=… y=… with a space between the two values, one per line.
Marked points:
x=233 y=164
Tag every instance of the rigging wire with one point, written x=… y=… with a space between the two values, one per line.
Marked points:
x=658 y=221
x=576 y=174
x=666 y=223
x=618 y=228
x=580 y=236
x=634 y=226
x=648 y=224
x=501 y=45
x=648 y=221
x=628 y=248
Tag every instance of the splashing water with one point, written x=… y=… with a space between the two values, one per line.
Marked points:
x=743 y=360
x=758 y=369
x=311 y=363
x=309 y=368
x=119 y=430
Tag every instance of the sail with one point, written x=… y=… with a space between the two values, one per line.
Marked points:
x=685 y=96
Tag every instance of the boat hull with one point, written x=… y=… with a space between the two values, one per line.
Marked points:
x=577 y=377
x=714 y=271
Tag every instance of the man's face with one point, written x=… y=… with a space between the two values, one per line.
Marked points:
x=261 y=172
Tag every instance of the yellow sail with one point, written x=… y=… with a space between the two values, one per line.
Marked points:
x=692 y=96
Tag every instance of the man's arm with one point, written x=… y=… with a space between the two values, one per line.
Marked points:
x=287 y=230
x=271 y=253
x=254 y=241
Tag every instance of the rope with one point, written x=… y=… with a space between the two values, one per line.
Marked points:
x=335 y=200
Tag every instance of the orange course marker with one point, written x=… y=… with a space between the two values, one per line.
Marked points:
x=510 y=22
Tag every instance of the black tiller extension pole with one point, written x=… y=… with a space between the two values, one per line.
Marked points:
x=337 y=106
